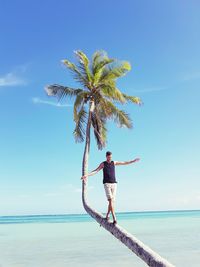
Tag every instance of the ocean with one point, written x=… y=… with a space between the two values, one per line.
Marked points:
x=76 y=240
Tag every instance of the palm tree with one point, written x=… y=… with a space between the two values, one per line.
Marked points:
x=95 y=103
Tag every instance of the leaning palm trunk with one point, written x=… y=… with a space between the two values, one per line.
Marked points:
x=150 y=257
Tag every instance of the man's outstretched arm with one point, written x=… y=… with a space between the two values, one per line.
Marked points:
x=126 y=162
x=94 y=171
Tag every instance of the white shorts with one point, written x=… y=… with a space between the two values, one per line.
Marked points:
x=110 y=189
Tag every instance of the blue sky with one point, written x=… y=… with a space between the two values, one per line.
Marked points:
x=40 y=163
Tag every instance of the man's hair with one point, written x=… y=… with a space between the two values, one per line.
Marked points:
x=108 y=153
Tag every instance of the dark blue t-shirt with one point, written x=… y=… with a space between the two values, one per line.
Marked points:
x=109 y=172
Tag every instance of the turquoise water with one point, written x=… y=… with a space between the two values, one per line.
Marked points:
x=64 y=218
x=77 y=240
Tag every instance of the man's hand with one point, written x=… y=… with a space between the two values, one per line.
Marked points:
x=137 y=159
x=84 y=177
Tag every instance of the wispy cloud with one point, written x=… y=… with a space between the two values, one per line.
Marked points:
x=198 y=197
x=23 y=195
x=71 y=187
x=64 y=189
x=11 y=79
x=37 y=100
x=186 y=77
x=191 y=76
x=195 y=75
x=14 y=77
x=150 y=89
x=53 y=194
x=80 y=190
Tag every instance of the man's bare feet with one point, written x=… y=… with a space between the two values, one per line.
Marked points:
x=115 y=221
x=107 y=217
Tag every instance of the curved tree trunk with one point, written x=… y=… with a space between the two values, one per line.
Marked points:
x=150 y=257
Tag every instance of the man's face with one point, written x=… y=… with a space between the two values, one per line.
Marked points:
x=109 y=157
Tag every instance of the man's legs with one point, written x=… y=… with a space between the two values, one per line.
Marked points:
x=111 y=193
x=111 y=208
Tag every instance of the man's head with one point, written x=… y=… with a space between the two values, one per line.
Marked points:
x=108 y=155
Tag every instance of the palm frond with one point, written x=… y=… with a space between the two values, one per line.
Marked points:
x=79 y=131
x=99 y=61
x=61 y=91
x=77 y=74
x=84 y=64
x=119 y=116
x=81 y=99
x=133 y=99
x=111 y=92
x=97 y=57
x=114 y=71
x=100 y=131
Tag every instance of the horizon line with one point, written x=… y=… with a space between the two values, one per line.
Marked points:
x=61 y=214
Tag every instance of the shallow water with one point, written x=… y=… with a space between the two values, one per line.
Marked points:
x=77 y=240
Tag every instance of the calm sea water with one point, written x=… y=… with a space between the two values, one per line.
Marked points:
x=77 y=240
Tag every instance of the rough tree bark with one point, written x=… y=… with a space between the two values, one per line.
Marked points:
x=150 y=257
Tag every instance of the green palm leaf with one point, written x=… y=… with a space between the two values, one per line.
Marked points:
x=111 y=92
x=76 y=72
x=119 y=116
x=80 y=100
x=133 y=99
x=79 y=131
x=99 y=126
x=114 y=71
x=99 y=61
x=61 y=91
x=84 y=65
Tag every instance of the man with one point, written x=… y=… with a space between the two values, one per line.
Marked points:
x=109 y=180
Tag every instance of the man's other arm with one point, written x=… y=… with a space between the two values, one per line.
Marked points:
x=101 y=165
x=126 y=162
